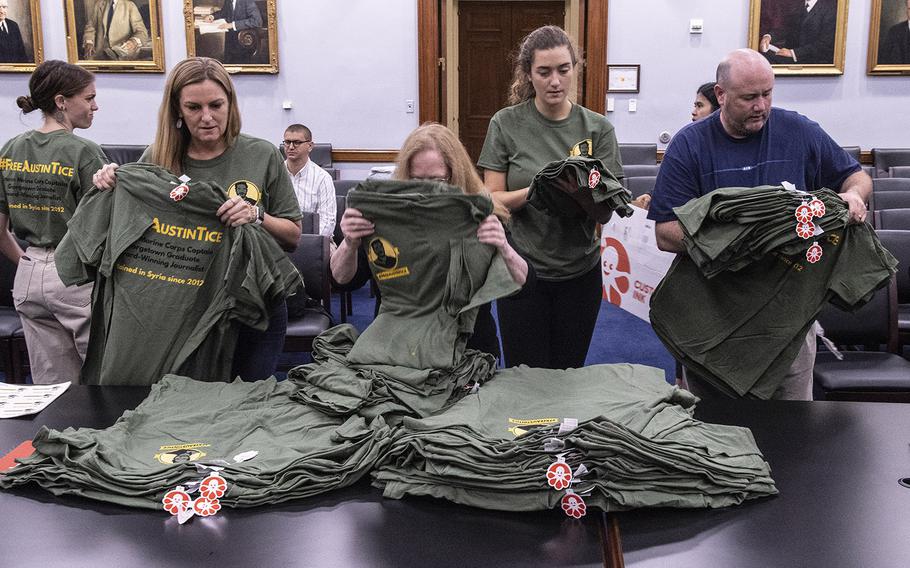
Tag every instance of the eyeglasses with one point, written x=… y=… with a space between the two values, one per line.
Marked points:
x=294 y=143
x=439 y=179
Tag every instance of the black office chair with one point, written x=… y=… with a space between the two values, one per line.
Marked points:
x=893 y=219
x=898 y=243
x=638 y=153
x=10 y=325
x=886 y=158
x=123 y=153
x=891 y=199
x=641 y=185
x=343 y=186
x=868 y=374
x=854 y=151
x=309 y=223
x=313 y=317
x=640 y=170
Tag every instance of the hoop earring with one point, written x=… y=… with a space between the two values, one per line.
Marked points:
x=179 y=123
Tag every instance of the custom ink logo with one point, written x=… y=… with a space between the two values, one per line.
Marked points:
x=616 y=269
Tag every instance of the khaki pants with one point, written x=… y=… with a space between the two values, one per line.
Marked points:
x=797 y=384
x=55 y=318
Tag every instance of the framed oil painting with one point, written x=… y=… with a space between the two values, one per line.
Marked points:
x=116 y=36
x=20 y=36
x=889 y=38
x=800 y=37
x=242 y=34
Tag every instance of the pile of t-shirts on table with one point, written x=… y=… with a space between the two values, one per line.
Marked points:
x=184 y=424
x=335 y=386
x=732 y=227
x=579 y=187
x=610 y=436
x=741 y=330
x=155 y=242
x=433 y=273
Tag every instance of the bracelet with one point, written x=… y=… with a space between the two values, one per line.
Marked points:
x=260 y=215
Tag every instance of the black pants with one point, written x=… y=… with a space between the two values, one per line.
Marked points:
x=550 y=326
x=257 y=352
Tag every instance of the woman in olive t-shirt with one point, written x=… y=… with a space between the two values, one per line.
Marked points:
x=199 y=135
x=551 y=326
x=43 y=175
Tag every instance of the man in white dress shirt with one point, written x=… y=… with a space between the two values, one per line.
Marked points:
x=313 y=185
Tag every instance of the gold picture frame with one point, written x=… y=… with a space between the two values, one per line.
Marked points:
x=889 y=38
x=211 y=32
x=137 y=47
x=797 y=41
x=23 y=48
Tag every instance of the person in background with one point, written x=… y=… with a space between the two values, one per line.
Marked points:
x=44 y=173
x=551 y=325
x=747 y=144
x=432 y=152
x=705 y=102
x=313 y=185
x=199 y=135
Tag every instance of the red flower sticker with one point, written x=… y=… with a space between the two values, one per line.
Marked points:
x=179 y=192
x=814 y=254
x=593 y=178
x=213 y=487
x=803 y=213
x=559 y=475
x=205 y=507
x=176 y=501
x=805 y=230
x=574 y=505
x=818 y=207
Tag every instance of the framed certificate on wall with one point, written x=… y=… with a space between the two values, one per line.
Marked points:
x=623 y=78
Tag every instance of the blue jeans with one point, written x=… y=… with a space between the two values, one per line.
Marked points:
x=257 y=352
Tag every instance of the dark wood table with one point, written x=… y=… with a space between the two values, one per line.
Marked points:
x=837 y=466
x=350 y=527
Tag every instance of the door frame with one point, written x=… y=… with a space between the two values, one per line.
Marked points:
x=434 y=41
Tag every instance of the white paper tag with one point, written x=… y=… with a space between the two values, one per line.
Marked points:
x=245 y=456
x=818 y=229
x=567 y=425
x=184 y=178
x=553 y=445
x=185 y=515
x=579 y=471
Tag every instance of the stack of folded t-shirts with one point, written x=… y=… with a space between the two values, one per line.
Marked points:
x=741 y=330
x=337 y=387
x=580 y=188
x=183 y=424
x=730 y=228
x=628 y=438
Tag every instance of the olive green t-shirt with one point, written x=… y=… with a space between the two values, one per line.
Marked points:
x=171 y=278
x=42 y=178
x=742 y=330
x=251 y=168
x=520 y=141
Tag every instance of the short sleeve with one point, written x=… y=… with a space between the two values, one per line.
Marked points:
x=676 y=182
x=494 y=155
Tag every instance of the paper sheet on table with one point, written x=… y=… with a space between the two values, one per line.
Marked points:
x=211 y=27
x=22 y=400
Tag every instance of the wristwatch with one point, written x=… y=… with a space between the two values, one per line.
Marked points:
x=260 y=215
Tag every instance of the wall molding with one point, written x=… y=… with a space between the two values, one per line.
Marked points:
x=361 y=155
